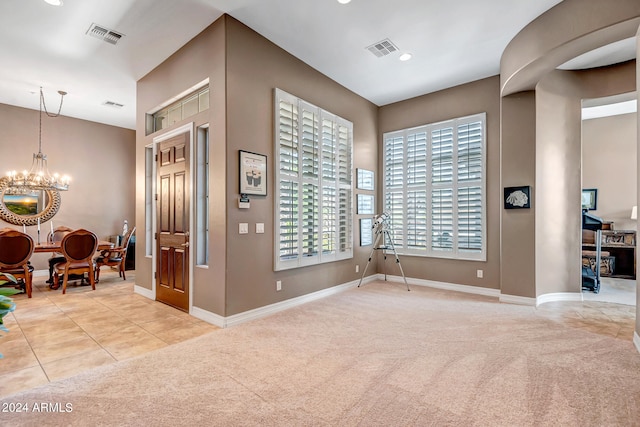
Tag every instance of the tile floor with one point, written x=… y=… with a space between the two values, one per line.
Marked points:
x=54 y=336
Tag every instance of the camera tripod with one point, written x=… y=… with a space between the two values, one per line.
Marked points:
x=382 y=232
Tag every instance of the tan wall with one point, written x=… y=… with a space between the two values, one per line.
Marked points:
x=518 y=153
x=244 y=68
x=464 y=100
x=255 y=67
x=203 y=57
x=609 y=150
x=558 y=184
x=99 y=158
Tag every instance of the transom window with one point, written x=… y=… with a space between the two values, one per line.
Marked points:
x=434 y=188
x=314 y=186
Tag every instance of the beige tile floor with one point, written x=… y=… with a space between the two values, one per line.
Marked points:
x=54 y=336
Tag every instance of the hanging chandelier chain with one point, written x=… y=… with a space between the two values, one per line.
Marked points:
x=43 y=105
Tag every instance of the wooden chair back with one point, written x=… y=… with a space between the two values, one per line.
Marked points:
x=79 y=246
x=16 y=249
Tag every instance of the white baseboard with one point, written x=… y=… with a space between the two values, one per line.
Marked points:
x=515 y=299
x=148 y=293
x=258 y=313
x=208 y=316
x=444 y=285
x=636 y=340
x=559 y=296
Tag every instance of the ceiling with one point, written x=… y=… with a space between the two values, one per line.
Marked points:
x=452 y=42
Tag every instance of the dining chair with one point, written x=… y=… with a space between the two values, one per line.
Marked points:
x=115 y=257
x=78 y=248
x=57 y=257
x=16 y=249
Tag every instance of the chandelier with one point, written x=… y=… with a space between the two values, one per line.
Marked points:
x=38 y=177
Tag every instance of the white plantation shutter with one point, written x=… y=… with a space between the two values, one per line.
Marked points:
x=434 y=188
x=314 y=193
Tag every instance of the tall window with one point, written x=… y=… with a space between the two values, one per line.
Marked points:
x=313 y=178
x=434 y=188
x=202 y=196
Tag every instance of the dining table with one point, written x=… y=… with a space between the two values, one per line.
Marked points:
x=103 y=245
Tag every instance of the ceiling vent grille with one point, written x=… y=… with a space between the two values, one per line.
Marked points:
x=104 y=33
x=112 y=104
x=382 y=48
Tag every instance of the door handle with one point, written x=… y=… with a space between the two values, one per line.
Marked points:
x=185 y=244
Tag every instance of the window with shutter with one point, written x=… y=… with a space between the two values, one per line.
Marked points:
x=314 y=188
x=434 y=188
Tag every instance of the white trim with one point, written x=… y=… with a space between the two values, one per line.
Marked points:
x=559 y=296
x=258 y=313
x=636 y=340
x=477 y=290
x=208 y=316
x=145 y=292
x=514 y=299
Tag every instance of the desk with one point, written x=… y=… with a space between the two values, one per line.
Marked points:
x=55 y=246
x=621 y=245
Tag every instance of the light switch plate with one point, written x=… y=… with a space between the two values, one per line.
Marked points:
x=243 y=228
x=259 y=227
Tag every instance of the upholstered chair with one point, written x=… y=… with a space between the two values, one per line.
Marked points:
x=78 y=249
x=115 y=257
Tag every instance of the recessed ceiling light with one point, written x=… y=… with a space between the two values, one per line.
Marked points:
x=405 y=57
x=343 y=1
x=54 y=2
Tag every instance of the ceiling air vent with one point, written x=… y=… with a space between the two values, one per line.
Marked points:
x=382 y=48
x=104 y=33
x=112 y=104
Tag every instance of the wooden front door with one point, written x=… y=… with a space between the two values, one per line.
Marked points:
x=172 y=284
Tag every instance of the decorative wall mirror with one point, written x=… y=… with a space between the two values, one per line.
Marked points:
x=26 y=209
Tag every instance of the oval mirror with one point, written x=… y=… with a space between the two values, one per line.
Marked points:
x=26 y=209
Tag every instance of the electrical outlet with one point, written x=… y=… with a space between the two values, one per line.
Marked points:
x=278 y=285
x=357 y=268
x=479 y=273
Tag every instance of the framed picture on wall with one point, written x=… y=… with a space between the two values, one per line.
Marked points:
x=517 y=197
x=253 y=173
x=590 y=199
x=365 y=204
x=365 y=179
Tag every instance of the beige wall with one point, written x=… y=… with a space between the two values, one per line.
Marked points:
x=518 y=152
x=477 y=97
x=609 y=150
x=558 y=220
x=255 y=67
x=99 y=158
x=244 y=68
x=200 y=59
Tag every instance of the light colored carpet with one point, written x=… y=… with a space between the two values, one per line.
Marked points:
x=371 y=356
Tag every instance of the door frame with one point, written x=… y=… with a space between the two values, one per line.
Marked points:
x=186 y=128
